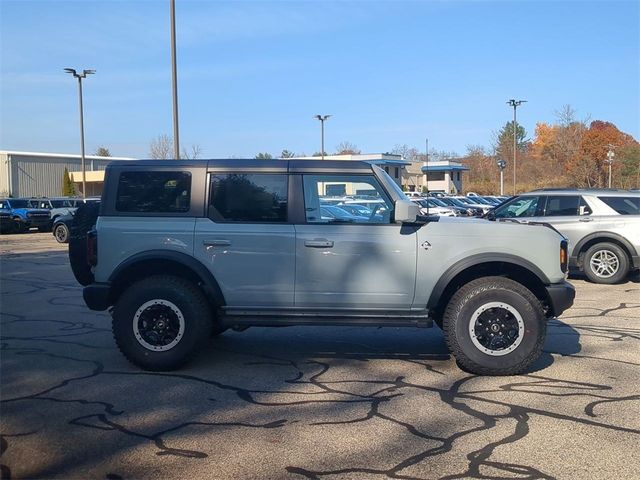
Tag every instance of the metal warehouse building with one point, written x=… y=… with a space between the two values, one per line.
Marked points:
x=28 y=174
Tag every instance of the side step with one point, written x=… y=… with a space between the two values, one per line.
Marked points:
x=231 y=317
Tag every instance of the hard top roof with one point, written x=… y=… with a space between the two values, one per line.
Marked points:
x=612 y=192
x=253 y=164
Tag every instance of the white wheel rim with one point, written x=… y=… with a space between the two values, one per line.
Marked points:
x=502 y=315
x=604 y=263
x=143 y=334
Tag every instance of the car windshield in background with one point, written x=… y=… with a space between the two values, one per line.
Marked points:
x=526 y=206
x=624 y=205
x=20 y=204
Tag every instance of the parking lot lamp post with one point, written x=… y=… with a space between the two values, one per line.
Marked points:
x=501 y=165
x=610 y=155
x=515 y=104
x=322 y=118
x=80 y=76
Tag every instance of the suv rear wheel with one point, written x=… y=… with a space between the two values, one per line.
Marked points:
x=494 y=326
x=61 y=233
x=606 y=263
x=161 y=322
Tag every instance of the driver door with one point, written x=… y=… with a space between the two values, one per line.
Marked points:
x=356 y=260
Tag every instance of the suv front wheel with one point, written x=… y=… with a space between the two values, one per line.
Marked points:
x=161 y=322
x=494 y=326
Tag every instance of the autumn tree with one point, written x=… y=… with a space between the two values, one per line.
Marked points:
x=588 y=167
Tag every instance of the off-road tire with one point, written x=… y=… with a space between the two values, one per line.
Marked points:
x=83 y=221
x=61 y=233
x=607 y=252
x=181 y=293
x=471 y=298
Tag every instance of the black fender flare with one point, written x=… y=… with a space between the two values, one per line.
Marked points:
x=479 y=259
x=211 y=285
x=603 y=235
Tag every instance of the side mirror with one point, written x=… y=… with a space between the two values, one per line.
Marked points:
x=406 y=211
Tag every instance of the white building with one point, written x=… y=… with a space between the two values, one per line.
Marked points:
x=31 y=174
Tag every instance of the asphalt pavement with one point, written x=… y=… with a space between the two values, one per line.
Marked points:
x=306 y=402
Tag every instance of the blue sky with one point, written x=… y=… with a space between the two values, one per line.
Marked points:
x=253 y=74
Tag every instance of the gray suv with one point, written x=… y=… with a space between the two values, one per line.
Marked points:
x=183 y=250
x=602 y=226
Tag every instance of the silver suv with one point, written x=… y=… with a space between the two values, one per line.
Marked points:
x=602 y=226
x=183 y=250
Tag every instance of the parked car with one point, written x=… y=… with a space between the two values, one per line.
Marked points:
x=7 y=223
x=429 y=207
x=62 y=227
x=471 y=201
x=334 y=213
x=182 y=250
x=61 y=206
x=25 y=215
x=603 y=227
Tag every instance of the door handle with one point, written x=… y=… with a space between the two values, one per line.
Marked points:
x=320 y=243
x=216 y=243
x=586 y=219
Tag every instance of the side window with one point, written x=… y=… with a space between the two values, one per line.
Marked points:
x=584 y=208
x=154 y=192
x=255 y=198
x=521 y=207
x=562 y=205
x=360 y=199
x=623 y=205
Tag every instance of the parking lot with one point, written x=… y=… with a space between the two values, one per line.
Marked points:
x=307 y=402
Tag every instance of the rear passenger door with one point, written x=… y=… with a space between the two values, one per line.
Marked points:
x=246 y=239
x=570 y=215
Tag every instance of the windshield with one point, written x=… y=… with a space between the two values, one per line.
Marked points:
x=389 y=182
x=20 y=204
x=526 y=206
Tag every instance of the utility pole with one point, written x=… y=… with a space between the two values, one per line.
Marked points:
x=610 y=156
x=174 y=82
x=80 y=76
x=515 y=104
x=501 y=165
x=322 y=119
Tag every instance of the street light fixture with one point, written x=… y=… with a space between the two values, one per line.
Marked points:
x=610 y=156
x=502 y=164
x=80 y=76
x=322 y=119
x=515 y=104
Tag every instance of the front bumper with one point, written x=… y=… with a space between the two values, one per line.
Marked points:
x=561 y=296
x=97 y=296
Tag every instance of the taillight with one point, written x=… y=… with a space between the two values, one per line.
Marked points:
x=92 y=247
x=564 y=256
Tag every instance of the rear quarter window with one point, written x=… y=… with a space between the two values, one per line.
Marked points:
x=154 y=192
x=623 y=205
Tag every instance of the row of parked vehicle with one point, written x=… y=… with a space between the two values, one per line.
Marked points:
x=18 y=215
x=456 y=205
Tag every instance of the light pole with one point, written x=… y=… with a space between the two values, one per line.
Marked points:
x=501 y=165
x=322 y=119
x=174 y=81
x=80 y=76
x=610 y=156
x=426 y=164
x=515 y=104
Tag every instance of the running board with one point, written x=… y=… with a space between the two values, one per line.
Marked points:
x=230 y=317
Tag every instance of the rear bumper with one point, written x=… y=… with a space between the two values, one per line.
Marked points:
x=561 y=296
x=97 y=296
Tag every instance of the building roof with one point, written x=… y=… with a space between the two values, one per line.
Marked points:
x=61 y=155
x=443 y=166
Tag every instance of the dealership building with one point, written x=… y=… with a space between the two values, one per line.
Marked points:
x=30 y=174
